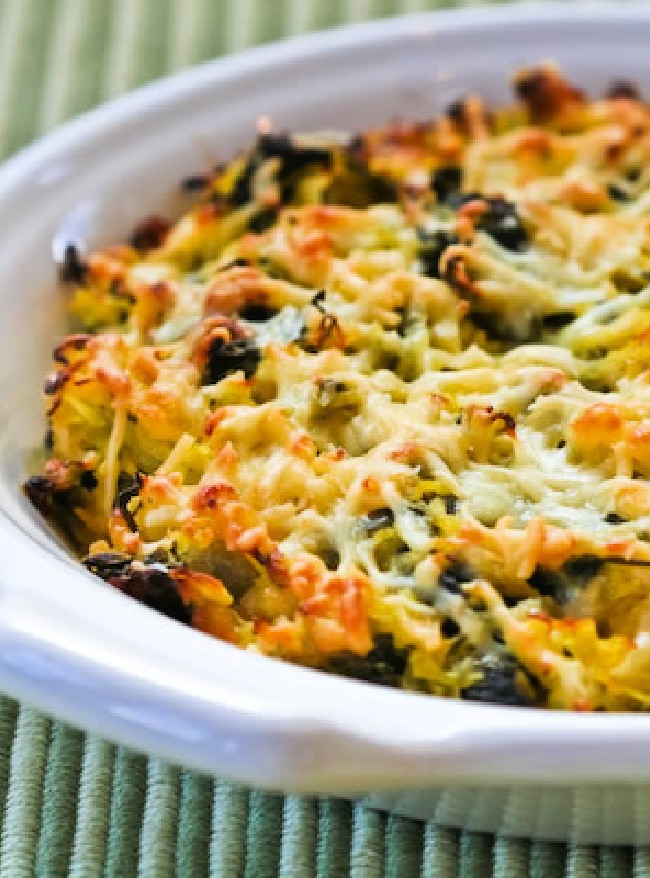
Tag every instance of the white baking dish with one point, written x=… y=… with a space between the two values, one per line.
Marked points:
x=79 y=649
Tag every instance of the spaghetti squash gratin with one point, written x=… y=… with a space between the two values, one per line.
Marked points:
x=381 y=405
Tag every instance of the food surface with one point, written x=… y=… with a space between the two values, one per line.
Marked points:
x=381 y=405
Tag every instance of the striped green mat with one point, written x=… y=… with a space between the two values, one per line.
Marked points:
x=73 y=805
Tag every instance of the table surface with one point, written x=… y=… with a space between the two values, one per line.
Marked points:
x=74 y=805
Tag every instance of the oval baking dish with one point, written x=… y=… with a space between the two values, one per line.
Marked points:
x=78 y=649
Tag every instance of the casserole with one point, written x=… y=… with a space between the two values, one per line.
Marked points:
x=88 y=655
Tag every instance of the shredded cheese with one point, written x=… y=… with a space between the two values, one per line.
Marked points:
x=383 y=407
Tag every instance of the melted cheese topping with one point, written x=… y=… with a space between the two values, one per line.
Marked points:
x=383 y=408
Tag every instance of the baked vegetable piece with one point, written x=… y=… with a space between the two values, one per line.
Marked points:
x=382 y=407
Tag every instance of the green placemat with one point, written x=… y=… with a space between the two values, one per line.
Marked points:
x=73 y=805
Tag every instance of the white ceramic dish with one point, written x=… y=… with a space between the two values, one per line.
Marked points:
x=79 y=649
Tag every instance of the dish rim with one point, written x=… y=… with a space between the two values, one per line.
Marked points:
x=331 y=733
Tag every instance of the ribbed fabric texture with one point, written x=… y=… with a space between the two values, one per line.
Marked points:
x=73 y=805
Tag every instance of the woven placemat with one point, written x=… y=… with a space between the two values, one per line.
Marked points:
x=74 y=805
